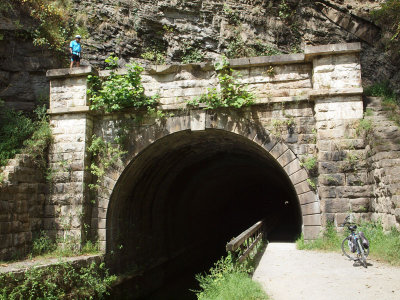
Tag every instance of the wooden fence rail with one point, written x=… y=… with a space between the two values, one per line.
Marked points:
x=242 y=245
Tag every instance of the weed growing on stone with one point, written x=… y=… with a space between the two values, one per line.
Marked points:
x=106 y=155
x=117 y=92
x=191 y=54
x=310 y=163
x=364 y=126
x=330 y=240
x=154 y=55
x=230 y=93
x=60 y=281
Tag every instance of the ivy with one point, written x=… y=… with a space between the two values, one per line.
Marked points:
x=116 y=91
x=106 y=155
x=231 y=93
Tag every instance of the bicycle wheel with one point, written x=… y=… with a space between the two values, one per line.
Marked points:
x=346 y=249
x=361 y=250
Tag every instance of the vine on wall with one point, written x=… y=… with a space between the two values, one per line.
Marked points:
x=230 y=93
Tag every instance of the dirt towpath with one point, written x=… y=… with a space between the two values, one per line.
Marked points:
x=287 y=273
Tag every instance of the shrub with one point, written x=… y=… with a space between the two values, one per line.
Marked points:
x=60 y=281
x=19 y=133
x=230 y=93
x=228 y=281
x=154 y=55
x=116 y=91
x=52 y=22
x=381 y=89
x=388 y=17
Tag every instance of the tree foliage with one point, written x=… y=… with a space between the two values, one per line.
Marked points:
x=53 y=25
x=388 y=17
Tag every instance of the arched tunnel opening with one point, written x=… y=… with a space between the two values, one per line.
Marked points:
x=183 y=198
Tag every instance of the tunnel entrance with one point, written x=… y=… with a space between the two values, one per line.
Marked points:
x=185 y=196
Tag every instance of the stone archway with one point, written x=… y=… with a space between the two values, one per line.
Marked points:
x=154 y=179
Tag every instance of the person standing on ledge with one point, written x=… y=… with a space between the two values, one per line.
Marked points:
x=75 y=50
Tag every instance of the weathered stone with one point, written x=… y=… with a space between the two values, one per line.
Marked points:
x=335 y=205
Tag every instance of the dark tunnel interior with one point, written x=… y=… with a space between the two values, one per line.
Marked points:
x=184 y=197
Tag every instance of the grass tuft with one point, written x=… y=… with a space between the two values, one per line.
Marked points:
x=227 y=280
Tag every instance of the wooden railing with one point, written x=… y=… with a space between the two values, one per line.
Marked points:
x=242 y=245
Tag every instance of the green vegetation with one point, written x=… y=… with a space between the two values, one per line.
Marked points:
x=117 y=92
x=238 y=48
x=53 y=24
x=382 y=89
x=43 y=246
x=106 y=155
x=227 y=280
x=330 y=240
x=310 y=163
x=391 y=101
x=154 y=55
x=60 y=281
x=230 y=94
x=383 y=246
x=191 y=54
x=388 y=17
x=21 y=134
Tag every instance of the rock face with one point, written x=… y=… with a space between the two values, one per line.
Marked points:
x=22 y=65
x=176 y=29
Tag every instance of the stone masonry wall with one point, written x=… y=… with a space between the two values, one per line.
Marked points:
x=308 y=102
x=22 y=199
x=383 y=162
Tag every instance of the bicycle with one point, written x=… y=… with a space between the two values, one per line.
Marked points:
x=355 y=246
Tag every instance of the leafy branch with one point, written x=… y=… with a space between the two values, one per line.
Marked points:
x=230 y=92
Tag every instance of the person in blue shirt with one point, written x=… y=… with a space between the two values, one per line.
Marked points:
x=75 y=50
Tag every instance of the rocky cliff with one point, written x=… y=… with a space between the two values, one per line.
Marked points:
x=184 y=30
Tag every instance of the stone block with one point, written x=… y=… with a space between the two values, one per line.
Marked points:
x=327 y=192
x=353 y=192
x=310 y=208
x=302 y=187
x=197 y=120
x=360 y=205
x=311 y=232
x=278 y=150
x=331 y=180
x=335 y=205
x=312 y=220
x=292 y=168
x=286 y=158
x=308 y=197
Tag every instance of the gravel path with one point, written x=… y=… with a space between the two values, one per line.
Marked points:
x=287 y=273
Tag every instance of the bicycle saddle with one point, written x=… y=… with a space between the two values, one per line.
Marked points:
x=353 y=227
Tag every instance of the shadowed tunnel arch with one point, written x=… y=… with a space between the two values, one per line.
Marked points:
x=184 y=196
